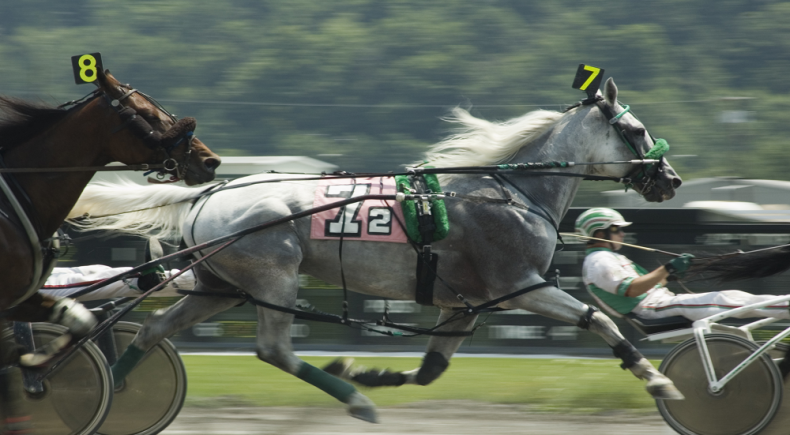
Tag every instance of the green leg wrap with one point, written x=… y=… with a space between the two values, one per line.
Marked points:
x=126 y=363
x=335 y=387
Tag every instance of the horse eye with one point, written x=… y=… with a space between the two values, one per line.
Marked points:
x=639 y=132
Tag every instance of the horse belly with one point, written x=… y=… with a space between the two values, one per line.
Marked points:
x=386 y=270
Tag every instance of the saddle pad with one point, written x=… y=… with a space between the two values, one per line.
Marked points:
x=375 y=221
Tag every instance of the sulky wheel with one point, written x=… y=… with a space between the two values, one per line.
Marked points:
x=780 y=425
x=746 y=404
x=77 y=395
x=152 y=394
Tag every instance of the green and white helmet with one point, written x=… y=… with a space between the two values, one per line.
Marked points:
x=598 y=218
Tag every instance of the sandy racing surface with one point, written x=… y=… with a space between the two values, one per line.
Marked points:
x=451 y=418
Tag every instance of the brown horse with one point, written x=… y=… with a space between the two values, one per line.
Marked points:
x=114 y=123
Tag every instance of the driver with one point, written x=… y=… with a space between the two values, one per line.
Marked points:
x=65 y=281
x=626 y=287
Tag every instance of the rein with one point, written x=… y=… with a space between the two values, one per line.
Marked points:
x=229 y=239
x=460 y=170
x=142 y=167
x=491 y=170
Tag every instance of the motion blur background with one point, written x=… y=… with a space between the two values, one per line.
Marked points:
x=363 y=85
x=367 y=82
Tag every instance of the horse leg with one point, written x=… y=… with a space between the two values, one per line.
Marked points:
x=556 y=304
x=65 y=311
x=14 y=418
x=165 y=322
x=435 y=362
x=274 y=347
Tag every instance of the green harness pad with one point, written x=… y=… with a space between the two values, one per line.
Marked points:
x=438 y=209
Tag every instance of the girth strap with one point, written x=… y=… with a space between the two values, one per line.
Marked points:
x=427 y=261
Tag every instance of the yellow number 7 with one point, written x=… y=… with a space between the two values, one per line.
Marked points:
x=594 y=73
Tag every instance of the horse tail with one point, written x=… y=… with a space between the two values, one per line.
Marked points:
x=741 y=265
x=130 y=208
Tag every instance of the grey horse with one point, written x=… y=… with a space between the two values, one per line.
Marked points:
x=492 y=249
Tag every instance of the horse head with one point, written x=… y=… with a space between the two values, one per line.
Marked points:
x=655 y=182
x=166 y=139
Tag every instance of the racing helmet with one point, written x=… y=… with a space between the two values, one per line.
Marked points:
x=599 y=218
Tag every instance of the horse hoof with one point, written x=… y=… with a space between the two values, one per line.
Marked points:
x=339 y=367
x=362 y=408
x=45 y=353
x=664 y=389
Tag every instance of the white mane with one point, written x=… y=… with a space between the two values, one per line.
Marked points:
x=479 y=142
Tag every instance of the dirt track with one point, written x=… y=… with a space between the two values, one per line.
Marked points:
x=451 y=418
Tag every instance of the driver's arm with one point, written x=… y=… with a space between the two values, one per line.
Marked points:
x=645 y=282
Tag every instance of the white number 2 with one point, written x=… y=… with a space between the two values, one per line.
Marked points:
x=380 y=220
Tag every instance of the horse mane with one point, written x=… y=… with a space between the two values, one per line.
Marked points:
x=478 y=142
x=22 y=120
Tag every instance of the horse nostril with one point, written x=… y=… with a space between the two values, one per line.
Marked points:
x=676 y=182
x=211 y=164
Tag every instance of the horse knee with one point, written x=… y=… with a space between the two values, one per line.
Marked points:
x=153 y=330
x=433 y=365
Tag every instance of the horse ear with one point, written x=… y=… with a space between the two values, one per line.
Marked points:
x=101 y=78
x=108 y=83
x=610 y=92
x=105 y=80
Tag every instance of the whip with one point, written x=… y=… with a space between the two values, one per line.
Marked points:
x=644 y=248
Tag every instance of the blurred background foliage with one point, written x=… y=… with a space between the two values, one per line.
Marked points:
x=364 y=84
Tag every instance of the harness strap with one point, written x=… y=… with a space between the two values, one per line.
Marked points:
x=326 y=317
x=427 y=261
x=492 y=303
x=537 y=209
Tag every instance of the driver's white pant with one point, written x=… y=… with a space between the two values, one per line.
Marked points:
x=660 y=303
x=65 y=281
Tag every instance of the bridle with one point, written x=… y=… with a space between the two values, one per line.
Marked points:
x=143 y=130
x=646 y=175
x=131 y=120
x=139 y=127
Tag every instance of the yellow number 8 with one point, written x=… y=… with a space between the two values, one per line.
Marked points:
x=90 y=65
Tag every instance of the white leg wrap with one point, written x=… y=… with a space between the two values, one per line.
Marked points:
x=73 y=315
x=658 y=385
